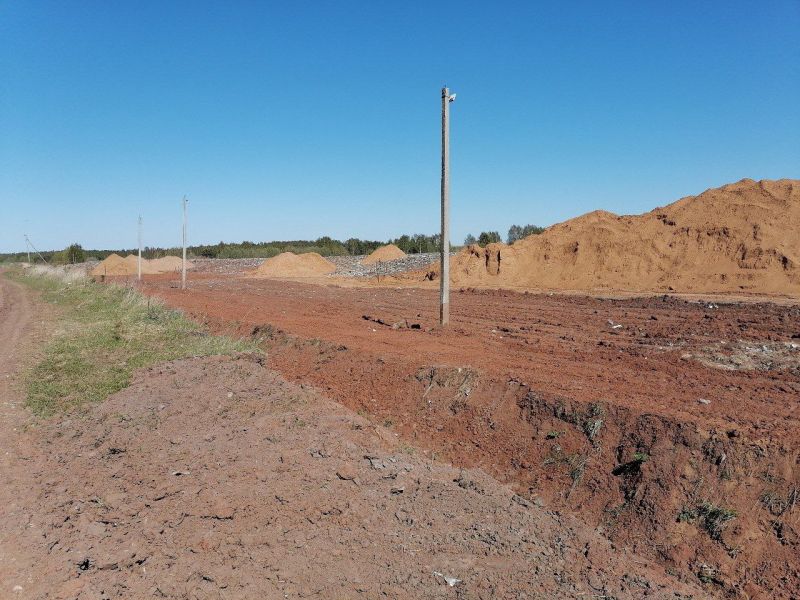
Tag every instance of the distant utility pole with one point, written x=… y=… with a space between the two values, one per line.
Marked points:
x=183 y=265
x=28 y=248
x=444 y=289
x=30 y=243
x=139 y=262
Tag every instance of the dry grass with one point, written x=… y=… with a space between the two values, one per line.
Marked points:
x=104 y=333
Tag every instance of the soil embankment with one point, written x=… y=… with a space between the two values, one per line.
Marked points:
x=738 y=238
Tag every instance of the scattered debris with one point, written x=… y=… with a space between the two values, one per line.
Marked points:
x=404 y=324
x=347 y=473
x=451 y=581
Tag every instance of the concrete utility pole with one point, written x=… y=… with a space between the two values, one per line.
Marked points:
x=30 y=243
x=183 y=265
x=139 y=262
x=28 y=248
x=444 y=288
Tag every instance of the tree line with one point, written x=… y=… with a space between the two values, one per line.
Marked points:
x=515 y=233
x=416 y=243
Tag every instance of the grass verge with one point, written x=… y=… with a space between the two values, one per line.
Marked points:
x=104 y=333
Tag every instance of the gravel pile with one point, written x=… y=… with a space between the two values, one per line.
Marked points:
x=350 y=266
x=226 y=265
x=346 y=266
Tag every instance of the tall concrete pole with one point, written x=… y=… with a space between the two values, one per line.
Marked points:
x=139 y=261
x=183 y=264
x=444 y=288
x=28 y=248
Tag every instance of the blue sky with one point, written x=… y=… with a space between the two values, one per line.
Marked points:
x=298 y=119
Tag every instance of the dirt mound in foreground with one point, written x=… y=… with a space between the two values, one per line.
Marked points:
x=289 y=264
x=384 y=254
x=241 y=467
x=740 y=237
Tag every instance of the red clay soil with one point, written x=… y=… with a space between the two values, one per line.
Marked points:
x=671 y=425
x=215 y=478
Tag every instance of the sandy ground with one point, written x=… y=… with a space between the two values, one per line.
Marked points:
x=215 y=478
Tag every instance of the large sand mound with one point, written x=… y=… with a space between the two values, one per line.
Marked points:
x=384 y=254
x=289 y=264
x=740 y=237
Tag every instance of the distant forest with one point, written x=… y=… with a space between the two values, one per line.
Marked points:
x=410 y=244
x=326 y=246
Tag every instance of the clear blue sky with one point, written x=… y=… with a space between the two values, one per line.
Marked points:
x=285 y=120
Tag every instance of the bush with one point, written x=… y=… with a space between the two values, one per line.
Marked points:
x=69 y=256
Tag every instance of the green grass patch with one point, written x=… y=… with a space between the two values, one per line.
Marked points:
x=104 y=333
x=711 y=517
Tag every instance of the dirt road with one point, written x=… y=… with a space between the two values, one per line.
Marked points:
x=642 y=416
x=18 y=459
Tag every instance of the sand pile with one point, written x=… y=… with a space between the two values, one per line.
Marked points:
x=132 y=262
x=115 y=265
x=289 y=264
x=741 y=237
x=169 y=264
x=384 y=254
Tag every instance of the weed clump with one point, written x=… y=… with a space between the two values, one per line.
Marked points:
x=709 y=516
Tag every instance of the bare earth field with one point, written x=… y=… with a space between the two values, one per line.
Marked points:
x=216 y=478
x=668 y=425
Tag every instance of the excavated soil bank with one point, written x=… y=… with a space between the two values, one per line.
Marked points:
x=741 y=237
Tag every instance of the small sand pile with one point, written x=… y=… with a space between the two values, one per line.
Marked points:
x=115 y=265
x=289 y=264
x=132 y=261
x=169 y=264
x=384 y=254
x=741 y=237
